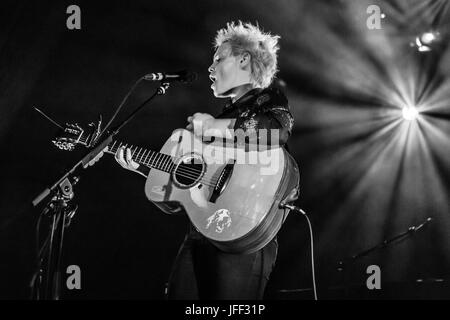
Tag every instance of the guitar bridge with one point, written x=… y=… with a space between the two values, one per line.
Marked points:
x=222 y=181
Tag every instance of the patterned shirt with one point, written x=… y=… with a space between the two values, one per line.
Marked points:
x=261 y=109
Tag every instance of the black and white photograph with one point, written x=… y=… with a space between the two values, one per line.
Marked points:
x=223 y=156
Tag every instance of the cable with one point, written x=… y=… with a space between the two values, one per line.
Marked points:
x=120 y=106
x=312 y=255
x=34 y=279
x=311 y=236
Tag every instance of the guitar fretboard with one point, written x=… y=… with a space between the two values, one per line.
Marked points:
x=149 y=158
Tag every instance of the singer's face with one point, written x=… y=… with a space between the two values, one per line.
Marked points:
x=224 y=72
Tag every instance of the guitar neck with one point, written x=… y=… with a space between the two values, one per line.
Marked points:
x=148 y=158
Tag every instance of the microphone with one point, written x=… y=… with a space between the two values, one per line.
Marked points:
x=182 y=76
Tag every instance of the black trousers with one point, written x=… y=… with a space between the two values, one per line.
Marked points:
x=201 y=271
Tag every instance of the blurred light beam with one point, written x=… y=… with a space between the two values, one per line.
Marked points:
x=410 y=113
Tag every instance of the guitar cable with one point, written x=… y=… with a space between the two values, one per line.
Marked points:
x=303 y=213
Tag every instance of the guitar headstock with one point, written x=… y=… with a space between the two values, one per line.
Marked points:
x=69 y=137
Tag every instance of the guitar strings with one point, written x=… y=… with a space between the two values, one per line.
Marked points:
x=189 y=173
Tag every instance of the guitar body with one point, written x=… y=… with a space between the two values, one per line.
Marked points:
x=231 y=197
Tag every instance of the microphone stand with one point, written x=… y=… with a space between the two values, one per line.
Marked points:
x=385 y=243
x=46 y=281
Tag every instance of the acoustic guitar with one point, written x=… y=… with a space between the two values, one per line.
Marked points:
x=231 y=195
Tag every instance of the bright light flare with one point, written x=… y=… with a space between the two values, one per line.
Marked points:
x=410 y=113
x=428 y=37
x=426 y=40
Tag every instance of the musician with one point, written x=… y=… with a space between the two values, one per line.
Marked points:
x=243 y=67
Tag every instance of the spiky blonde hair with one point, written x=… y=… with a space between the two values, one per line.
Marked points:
x=262 y=47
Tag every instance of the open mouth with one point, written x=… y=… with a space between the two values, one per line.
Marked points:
x=213 y=78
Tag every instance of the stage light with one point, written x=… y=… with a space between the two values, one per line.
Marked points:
x=410 y=113
x=428 y=37
x=426 y=40
x=423 y=49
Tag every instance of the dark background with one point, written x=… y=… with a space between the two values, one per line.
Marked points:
x=359 y=184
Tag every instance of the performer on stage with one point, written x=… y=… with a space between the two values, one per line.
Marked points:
x=243 y=67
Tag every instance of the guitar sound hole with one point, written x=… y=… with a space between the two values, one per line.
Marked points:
x=189 y=171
